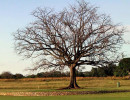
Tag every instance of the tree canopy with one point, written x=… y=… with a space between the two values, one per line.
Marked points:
x=75 y=36
x=125 y=64
x=124 y=67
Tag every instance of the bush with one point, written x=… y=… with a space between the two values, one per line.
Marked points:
x=18 y=76
x=31 y=76
x=6 y=75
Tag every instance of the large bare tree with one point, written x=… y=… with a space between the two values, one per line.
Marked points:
x=78 y=35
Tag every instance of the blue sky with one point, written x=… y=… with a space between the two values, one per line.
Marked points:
x=15 y=14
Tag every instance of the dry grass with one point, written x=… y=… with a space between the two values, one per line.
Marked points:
x=67 y=79
x=51 y=84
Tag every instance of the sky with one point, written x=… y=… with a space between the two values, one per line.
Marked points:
x=16 y=14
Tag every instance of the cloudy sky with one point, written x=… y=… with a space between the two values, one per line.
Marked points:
x=15 y=14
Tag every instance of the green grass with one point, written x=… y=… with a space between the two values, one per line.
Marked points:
x=111 y=96
x=53 y=85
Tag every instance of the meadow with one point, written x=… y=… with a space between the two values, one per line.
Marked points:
x=111 y=96
x=53 y=84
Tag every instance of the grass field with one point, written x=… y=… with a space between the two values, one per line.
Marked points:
x=113 y=96
x=52 y=84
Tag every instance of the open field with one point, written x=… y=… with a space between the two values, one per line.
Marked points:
x=52 y=84
x=113 y=96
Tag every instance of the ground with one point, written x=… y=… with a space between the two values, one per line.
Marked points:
x=53 y=84
x=111 y=96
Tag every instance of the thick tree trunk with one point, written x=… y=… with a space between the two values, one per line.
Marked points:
x=73 y=83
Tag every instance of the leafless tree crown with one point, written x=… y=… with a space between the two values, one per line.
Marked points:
x=73 y=37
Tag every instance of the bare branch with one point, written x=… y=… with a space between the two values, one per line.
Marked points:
x=76 y=36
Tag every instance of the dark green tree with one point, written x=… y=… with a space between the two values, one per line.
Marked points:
x=18 y=76
x=124 y=67
x=125 y=64
x=7 y=75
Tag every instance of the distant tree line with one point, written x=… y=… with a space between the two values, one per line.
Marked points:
x=9 y=75
x=123 y=69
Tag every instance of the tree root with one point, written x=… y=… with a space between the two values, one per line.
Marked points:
x=70 y=87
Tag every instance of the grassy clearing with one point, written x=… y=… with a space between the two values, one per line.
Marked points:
x=113 y=96
x=51 y=84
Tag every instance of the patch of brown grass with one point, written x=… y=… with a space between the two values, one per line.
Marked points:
x=67 y=79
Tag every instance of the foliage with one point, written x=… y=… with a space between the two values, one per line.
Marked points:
x=109 y=70
x=125 y=62
x=9 y=75
x=101 y=71
x=124 y=67
x=6 y=75
x=53 y=74
x=31 y=76
x=18 y=76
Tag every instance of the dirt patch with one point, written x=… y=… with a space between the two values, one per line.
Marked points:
x=57 y=93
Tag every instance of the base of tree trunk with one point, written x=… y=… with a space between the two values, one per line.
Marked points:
x=70 y=87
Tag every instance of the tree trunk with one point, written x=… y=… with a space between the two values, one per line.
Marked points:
x=73 y=83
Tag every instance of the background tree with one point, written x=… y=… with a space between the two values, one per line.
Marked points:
x=94 y=72
x=124 y=67
x=18 y=76
x=75 y=36
x=104 y=71
x=125 y=64
x=110 y=69
x=6 y=75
